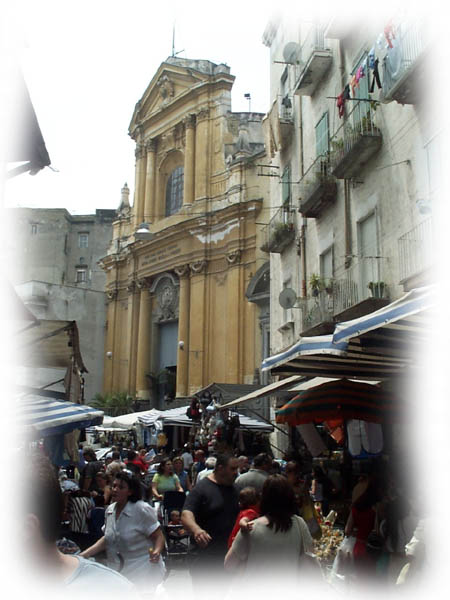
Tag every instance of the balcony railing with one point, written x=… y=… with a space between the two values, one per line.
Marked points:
x=280 y=231
x=355 y=142
x=317 y=188
x=323 y=304
x=416 y=250
x=401 y=65
x=316 y=58
x=334 y=296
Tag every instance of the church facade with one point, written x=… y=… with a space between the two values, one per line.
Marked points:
x=190 y=305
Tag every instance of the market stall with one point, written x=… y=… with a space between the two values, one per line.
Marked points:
x=57 y=423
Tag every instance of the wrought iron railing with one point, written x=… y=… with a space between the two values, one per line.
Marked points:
x=279 y=232
x=409 y=44
x=331 y=297
x=319 y=172
x=360 y=121
x=416 y=250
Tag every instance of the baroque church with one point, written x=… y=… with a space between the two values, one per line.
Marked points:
x=189 y=305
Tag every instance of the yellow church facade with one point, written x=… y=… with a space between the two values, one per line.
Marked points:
x=189 y=305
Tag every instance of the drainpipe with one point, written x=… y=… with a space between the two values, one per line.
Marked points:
x=347 y=218
x=303 y=225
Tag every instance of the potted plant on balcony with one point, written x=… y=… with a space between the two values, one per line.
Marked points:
x=329 y=286
x=316 y=284
x=377 y=288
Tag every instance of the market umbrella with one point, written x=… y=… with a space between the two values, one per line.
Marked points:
x=341 y=399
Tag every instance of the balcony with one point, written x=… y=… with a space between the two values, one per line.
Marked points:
x=416 y=255
x=357 y=292
x=355 y=142
x=316 y=59
x=280 y=231
x=404 y=73
x=278 y=124
x=318 y=188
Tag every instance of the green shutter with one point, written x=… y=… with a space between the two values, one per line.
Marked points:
x=286 y=187
x=322 y=135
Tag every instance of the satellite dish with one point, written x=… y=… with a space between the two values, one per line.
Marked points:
x=291 y=53
x=287 y=298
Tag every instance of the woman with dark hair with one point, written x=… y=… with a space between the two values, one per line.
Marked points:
x=274 y=543
x=183 y=476
x=165 y=480
x=133 y=538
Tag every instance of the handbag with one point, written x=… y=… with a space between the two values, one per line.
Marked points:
x=375 y=541
x=308 y=562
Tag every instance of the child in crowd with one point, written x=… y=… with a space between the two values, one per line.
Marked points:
x=175 y=519
x=249 y=511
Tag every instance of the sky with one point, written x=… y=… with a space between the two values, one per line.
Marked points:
x=87 y=64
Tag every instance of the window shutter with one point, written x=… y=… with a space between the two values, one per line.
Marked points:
x=322 y=135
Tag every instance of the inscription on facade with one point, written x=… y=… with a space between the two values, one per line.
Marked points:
x=161 y=254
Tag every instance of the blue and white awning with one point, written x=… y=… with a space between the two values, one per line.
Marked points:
x=405 y=314
x=378 y=345
x=42 y=417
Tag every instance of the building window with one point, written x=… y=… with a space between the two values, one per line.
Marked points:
x=368 y=252
x=322 y=136
x=83 y=240
x=34 y=229
x=81 y=276
x=326 y=265
x=174 y=191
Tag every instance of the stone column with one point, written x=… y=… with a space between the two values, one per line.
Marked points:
x=197 y=311
x=233 y=311
x=132 y=323
x=138 y=207
x=201 y=153
x=183 y=331
x=189 y=161
x=108 y=374
x=150 y=181
x=144 y=341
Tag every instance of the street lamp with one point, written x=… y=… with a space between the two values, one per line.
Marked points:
x=143 y=232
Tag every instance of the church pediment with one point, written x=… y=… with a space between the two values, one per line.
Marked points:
x=170 y=83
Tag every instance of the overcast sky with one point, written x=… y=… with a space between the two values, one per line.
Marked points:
x=88 y=63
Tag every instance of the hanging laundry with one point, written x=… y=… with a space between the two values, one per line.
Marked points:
x=376 y=77
x=341 y=100
x=389 y=34
x=371 y=57
x=354 y=84
x=360 y=73
x=380 y=39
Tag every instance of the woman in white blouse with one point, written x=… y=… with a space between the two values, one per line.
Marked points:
x=133 y=538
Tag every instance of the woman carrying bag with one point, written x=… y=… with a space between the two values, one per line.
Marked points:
x=272 y=551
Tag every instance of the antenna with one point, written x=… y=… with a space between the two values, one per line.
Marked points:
x=249 y=98
x=173 y=43
x=173 y=40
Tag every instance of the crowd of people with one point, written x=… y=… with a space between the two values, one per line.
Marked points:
x=249 y=521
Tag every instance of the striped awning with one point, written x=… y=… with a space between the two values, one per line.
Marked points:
x=409 y=315
x=378 y=345
x=40 y=417
x=343 y=400
x=178 y=416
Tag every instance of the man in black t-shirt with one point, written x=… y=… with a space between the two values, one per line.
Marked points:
x=209 y=514
x=87 y=479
